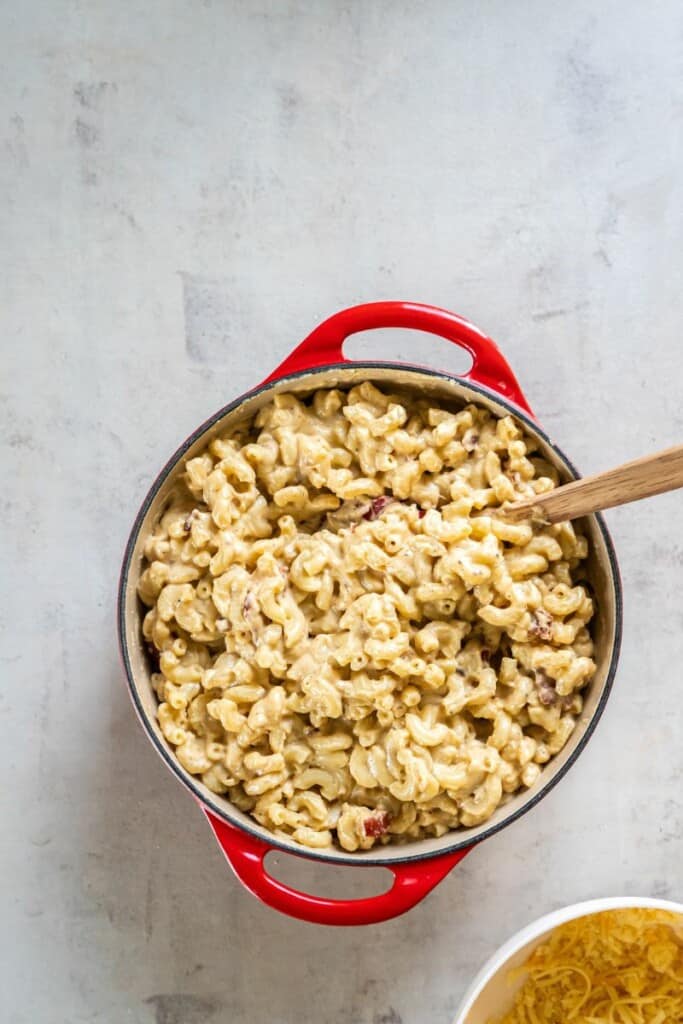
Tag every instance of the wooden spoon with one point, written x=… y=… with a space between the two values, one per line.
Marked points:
x=642 y=478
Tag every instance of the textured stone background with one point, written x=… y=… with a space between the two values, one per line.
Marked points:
x=186 y=189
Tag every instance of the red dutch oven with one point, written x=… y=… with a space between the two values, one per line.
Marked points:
x=318 y=362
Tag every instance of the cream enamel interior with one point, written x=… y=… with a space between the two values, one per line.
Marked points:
x=448 y=391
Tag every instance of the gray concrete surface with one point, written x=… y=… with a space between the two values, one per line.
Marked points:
x=186 y=188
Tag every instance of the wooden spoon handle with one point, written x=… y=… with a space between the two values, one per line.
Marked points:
x=653 y=474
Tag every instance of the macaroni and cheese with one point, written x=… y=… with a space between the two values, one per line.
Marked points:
x=353 y=643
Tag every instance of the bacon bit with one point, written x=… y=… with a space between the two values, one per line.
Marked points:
x=248 y=604
x=541 y=627
x=377 y=825
x=377 y=506
x=547 y=694
x=187 y=525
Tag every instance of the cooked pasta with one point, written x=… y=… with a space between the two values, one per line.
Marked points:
x=353 y=643
x=616 y=967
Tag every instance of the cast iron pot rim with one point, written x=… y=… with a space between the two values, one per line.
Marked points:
x=220 y=811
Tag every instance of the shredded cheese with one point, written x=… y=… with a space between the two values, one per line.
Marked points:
x=616 y=967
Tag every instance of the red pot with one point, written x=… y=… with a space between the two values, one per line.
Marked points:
x=319 y=362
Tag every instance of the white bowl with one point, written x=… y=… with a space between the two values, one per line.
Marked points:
x=492 y=992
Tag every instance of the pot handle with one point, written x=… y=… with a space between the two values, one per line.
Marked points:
x=324 y=344
x=245 y=854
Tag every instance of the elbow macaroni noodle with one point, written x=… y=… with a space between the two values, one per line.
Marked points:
x=353 y=644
